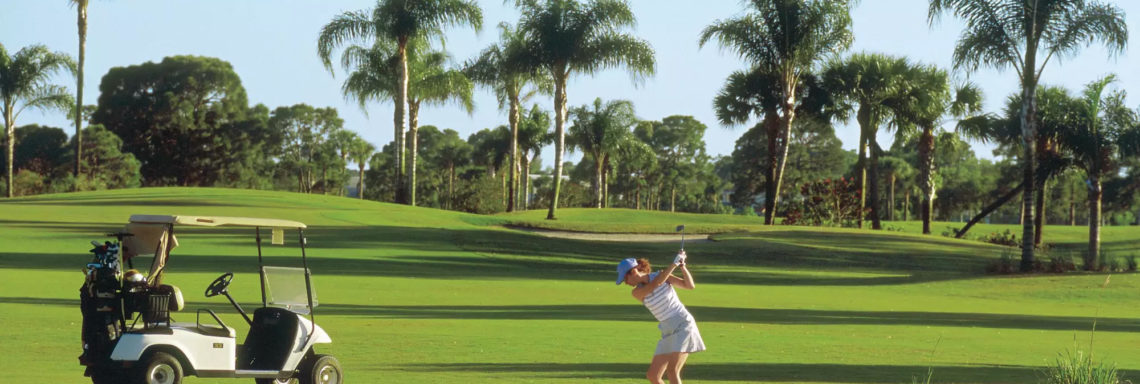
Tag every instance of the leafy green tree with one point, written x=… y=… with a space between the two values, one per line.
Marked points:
x=39 y=149
x=451 y=153
x=564 y=37
x=504 y=67
x=24 y=84
x=81 y=23
x=1025 y=35
x=817 y=154
x=306 y=133
x=599 y=132
x=784 y=40
x=104 y=164
x=184 y=118
x=897 y=169
x=678 y=142
x=400 y=22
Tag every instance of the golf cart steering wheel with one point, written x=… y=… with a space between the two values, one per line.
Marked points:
x=219 y=285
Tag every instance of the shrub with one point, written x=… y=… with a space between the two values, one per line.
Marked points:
x=826 y=203
x=1131 y=261
x=1061 y=264
x=1079 y=368
x=1007 y=238
x=1116 y=264
x=1007 y=264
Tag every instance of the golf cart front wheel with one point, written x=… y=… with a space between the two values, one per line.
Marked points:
x=322 y=369
x=160 y=368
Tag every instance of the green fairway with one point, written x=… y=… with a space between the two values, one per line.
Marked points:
x=412 y=295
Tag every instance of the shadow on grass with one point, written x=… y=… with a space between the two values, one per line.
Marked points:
x=474 y=253
x=758 y=372
x=635 y=312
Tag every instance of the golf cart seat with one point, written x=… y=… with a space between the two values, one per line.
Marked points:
x=160 y=302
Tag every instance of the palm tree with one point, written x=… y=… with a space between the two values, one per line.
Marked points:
x=784 y=39
x=564 y=37
x=81 y=22
x=360 y=151
x=453 y=153
x=24 y=84
x=504 y=68
x=927 y=100
x=1025 y=35
x=896 y=169
x=598 y=132
x=399 y=22
x=534 y=133
x=1094 y=143
x=875 y=83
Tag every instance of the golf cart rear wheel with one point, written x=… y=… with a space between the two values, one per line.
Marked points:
x=159 y=368
x=322 y=369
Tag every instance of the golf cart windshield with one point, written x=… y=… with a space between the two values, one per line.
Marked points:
x=285 y=288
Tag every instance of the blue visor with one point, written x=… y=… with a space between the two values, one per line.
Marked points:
x=623 y=268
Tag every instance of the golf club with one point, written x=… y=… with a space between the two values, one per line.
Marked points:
x=681 y=228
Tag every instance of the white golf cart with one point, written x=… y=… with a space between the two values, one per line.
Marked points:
x=130 y=337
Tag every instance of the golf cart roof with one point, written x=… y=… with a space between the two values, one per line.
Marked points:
x=215 y=221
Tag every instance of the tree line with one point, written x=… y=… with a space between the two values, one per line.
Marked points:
x=186 y=120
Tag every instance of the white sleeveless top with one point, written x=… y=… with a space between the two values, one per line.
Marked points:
x=663 y=302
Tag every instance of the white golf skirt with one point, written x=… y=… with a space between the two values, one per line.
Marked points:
x=679 y=334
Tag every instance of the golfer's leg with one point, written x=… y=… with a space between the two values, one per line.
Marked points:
x=676 y=362
x=657 y=368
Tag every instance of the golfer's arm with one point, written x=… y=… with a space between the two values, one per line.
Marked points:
x=642 y=291
x=687 y=282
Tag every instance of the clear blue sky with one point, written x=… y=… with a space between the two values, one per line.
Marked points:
x=272 y=46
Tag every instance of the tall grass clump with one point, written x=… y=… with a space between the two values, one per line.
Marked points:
x=1079 y=368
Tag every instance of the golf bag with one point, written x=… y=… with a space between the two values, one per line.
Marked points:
x=101 y=305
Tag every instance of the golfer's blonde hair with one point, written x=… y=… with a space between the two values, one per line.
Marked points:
x=643 y=266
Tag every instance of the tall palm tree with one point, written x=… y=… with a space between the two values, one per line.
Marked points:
x=374 y=75
x=534 y=133
x=875 y=83
x=1025 y=35
x=928 y=99
x=504 y=68
x=360 y=151
x=24 y=84
x=81 y=22
x=399 y=22
x=564 y=37
x=598 y=131
x=786 y=39
x=453 y=153
x=1095 y=142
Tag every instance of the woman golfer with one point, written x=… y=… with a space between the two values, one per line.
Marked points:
x=679 y=334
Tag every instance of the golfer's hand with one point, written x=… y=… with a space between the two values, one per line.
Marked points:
x=680 y=259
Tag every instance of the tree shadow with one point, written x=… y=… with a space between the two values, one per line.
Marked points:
x=758 y=372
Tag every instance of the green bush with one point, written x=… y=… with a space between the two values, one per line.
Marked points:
x=1079 y=368
x=1061 y=264
x=1007 y=264
x=1132 y=263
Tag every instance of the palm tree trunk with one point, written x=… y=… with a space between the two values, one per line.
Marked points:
x=1039 y=219
x=525 y=182
x=891 y=200
x=1028 y=132
x=637 y=197
x=926 y=176
x=598 y=180
x=401 y=116
x=414 y=137
x=873 y=179
x=1092 y=259
x=673 y=199
x=10 y=142
x=451 y=186
x=771 y=127
x=864 y=118
x=906 y=206
x=81 y=20
x=360 y=182
x=989 y=209
x=785 y=139
x=606 y=182
x=560 y=137
x=1072 y=206
x=513 y=120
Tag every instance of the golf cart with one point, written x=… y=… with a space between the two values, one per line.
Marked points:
x=129 y=335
